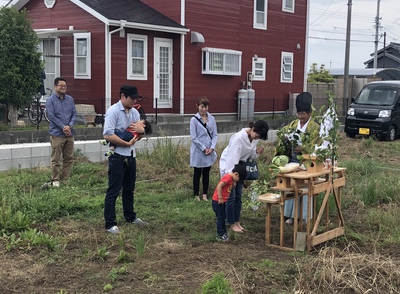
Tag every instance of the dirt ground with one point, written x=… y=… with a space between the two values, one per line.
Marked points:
x=167 y=266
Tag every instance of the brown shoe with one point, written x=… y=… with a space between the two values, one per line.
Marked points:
x=236 y=229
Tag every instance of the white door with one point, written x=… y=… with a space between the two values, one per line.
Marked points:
x=50 y=48
x=163 y=73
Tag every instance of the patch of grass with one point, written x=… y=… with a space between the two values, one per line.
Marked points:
x=217 y=285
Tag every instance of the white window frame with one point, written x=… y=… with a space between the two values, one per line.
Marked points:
x=287 y=67
x=130 y=74
x=260 y=14
x=258 y=69
x=216 y=61
x=88 y=56
x=288 y=5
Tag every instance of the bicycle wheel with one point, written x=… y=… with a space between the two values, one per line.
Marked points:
x=45 y=115
x=34 y=112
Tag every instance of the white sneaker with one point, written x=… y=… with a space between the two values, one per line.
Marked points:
x=48 y=185
x=113 y=230
x=138 y=221
x=289 y=221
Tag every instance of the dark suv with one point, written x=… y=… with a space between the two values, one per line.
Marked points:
x=375 y=111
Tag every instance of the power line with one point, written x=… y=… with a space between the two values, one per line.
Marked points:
x=332 y=39
x=341 y=33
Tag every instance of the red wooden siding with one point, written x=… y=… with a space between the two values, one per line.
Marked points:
x=229 y=24
x=145 y=87
x=61 y=16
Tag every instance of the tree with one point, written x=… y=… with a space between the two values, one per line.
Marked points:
x=320 y=75
x=20 y=60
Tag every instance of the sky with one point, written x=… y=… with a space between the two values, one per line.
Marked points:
x=328 y=25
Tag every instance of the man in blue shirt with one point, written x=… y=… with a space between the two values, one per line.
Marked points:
x=61 y=112
x=122 y=164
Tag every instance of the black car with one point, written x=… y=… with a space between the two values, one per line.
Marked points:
x=375 y=111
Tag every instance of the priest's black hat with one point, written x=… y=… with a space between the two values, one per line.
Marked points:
x=303 y=102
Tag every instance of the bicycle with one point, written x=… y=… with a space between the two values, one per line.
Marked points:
x=37 y=109
x=140 y=109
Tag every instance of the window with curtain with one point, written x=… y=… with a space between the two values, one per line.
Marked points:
x=137 y=57
x=221 y=61
x=82 y=56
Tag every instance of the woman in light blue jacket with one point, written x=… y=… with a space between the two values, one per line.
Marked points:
x=203 y=133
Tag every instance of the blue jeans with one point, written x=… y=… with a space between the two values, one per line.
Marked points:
x=289 y=208
x=124 y=135
x=121 y=175
x=220 y=213
x=234 y=204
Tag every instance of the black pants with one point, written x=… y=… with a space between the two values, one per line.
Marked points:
x=198 y=171
x=121 y=176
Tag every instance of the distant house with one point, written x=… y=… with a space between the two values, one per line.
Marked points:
x=174 y=51
x=388 y=57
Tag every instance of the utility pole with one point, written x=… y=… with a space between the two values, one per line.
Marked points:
x=384 y=49
x=377 y=26
x=346 y=58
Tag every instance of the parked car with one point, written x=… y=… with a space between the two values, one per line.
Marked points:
x=375 y=111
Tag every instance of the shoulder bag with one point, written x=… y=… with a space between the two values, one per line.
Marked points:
x=204 y=125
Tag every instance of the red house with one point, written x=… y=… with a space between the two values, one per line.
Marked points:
x=175 y=51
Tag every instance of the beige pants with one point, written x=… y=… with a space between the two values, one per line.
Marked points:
x=62 y=150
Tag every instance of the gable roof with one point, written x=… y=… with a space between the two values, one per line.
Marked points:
x=130 y=13
x=383 y=73
x=133 y=11
x=383 y=52
x=387 y=55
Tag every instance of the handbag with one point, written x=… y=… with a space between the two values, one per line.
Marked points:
x=252 y=169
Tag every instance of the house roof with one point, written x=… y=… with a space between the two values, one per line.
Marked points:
x=387 y=55
x=127 y=13
x=133 y=11
x=383 y=73
x=380 y=53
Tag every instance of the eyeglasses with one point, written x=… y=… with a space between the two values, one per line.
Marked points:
x=62 y=86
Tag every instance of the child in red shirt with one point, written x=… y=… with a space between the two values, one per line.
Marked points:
x=221 y=195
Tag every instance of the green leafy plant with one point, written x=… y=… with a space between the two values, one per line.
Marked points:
x=116 y=273
x=122 y=256
x=140 y=244
x=217 y=285
x=107 y=287
x=34 y=238
x=103 y=252
x=12 y=241
x=10 y=219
